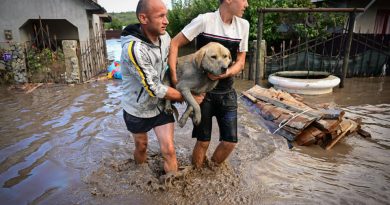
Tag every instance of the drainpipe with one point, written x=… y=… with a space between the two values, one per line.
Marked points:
x=366 y=8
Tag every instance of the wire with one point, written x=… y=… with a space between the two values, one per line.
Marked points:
x=281 y=124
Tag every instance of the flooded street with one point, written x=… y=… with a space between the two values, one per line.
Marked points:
x=69 y=145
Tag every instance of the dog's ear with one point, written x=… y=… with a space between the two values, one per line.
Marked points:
x=199 y=55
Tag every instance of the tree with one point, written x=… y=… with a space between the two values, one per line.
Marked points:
x=297 y=24
x=183 y=11
x=121 y=19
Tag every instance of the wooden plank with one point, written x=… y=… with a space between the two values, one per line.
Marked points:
x=280 y=116
x=308 y=136
x=33 y=88
x=345 y=124
x=272 y=127
x=327 y=125
x=250 y=97
x=264 y=95
x=294 y=121
x=331 y=113
x=333 y=143
x=277 y=95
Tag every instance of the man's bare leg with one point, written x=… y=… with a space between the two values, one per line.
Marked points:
x=222 y=151
x=199 y=153
x=141 y=145
x=164 y=135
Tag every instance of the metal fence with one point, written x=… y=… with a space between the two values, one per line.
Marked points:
x=368 y=55
x=343 y=52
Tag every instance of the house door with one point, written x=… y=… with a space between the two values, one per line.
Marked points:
x=382 y=22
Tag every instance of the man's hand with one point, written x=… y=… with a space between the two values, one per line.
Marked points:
x=219 y=77
x=199 y=98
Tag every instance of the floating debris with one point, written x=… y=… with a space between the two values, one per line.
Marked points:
x=295 y=120
x=26 y=87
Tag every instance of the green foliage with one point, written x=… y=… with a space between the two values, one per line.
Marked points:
x=121 y=19
x=183 y=11
x=300 y=25
x=39 y=61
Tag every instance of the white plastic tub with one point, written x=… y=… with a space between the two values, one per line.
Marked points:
x=299 y=82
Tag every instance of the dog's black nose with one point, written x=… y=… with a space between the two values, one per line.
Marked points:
x=223 y=69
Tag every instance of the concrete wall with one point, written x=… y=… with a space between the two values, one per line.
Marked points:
x=15 y=13
x=96 y=24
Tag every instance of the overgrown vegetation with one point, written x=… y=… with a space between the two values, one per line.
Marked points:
x=44 y=63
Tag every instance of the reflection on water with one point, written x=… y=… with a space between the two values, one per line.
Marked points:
x=55 y=141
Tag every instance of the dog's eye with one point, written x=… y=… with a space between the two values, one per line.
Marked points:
x=224 y=56
x=214 y=57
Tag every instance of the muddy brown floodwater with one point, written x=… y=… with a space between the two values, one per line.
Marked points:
x=69 y=145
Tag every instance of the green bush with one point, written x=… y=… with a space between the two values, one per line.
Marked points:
x=41 y=61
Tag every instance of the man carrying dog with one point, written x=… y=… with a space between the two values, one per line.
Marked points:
x=224 y=26
x=144 y=55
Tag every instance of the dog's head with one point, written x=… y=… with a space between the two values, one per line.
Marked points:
x=214 y=58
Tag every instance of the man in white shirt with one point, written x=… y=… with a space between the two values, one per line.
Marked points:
x=224 y=26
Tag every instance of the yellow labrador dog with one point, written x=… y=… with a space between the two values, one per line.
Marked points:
x=192 y=76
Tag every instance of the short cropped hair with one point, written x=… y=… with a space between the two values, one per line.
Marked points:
x=142 y=7
x=221 y=1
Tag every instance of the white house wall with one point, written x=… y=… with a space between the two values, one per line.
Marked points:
x=14 y=13
x=96 y=24
x=366 y=21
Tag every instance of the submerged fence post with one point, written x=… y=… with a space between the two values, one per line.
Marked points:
x=348 y=44
x=259 y=41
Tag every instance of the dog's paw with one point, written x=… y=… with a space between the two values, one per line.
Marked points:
x=168 y=111
x=196 y=119
x=182 y=122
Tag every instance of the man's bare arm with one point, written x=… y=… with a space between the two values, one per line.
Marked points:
x=178 y=41
x=174 y=95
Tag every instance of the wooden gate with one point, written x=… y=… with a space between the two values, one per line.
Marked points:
x=92 y=56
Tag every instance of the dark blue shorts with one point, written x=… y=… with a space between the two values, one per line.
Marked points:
x=140 y=125
x=224 y=108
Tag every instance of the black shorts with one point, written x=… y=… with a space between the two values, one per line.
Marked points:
x=224 y=108
x=140 y=125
